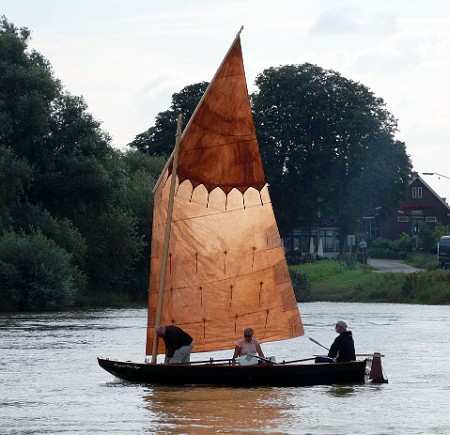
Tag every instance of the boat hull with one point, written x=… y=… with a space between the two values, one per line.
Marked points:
x=280 y=375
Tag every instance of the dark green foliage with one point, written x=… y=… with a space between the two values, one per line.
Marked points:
x=62 y=182
x=334 y=281
x=35 y=274
x=15 y=179
x=139 y=174
x=431 y=287
x=391 y=249
x=329 y=141
x=160 y=139
x=28 y=218
x=422 y=260
x=26 y=93
x=301 y=284
x=114 y=245
x=428 y=238
x=401 y=248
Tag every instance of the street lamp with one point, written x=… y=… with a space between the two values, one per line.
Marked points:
x=435 y=173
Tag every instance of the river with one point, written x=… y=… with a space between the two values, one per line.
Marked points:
x=50 y=382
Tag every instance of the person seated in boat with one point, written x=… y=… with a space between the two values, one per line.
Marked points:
x=248 y=344
x=343 y=347
x=178 y=344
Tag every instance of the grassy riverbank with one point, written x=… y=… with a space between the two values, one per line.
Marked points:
x=330 y=280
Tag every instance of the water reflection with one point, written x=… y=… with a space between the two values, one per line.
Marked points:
x=203 y=410
x=342 y=390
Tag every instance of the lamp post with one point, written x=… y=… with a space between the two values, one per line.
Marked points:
x=435 y=173
x=439 y=177
x=318 y=232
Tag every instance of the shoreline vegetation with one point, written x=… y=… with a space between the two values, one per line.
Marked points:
x=344 y=281
x=330 y=281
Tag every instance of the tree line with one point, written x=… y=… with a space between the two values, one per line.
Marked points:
x=75 y=213
x=327 y=143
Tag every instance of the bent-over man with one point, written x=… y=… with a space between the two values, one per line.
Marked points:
x=178 y=344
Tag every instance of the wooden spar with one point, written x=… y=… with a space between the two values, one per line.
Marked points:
x=165 y=252
x=321 y=345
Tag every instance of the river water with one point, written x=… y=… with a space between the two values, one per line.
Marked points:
x=50 y=382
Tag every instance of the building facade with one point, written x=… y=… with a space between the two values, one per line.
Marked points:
x=421 y=204
x=320 y=238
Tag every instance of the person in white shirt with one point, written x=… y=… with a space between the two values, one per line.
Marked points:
x=248 y=344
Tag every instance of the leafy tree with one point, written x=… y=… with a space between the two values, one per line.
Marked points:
x=15 y=179
x=440 y=230
x=140 y=173
x=26 y=93
x=29 y=218
x=159 y=140
x=327 y=142
x=35 y=274
x=60 y=176
x=115 y=246
x=403 y=243
x=429 y=237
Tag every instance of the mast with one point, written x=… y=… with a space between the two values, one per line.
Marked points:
x=162 y=276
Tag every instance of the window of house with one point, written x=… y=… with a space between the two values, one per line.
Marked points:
x=403 y=219
x=416 y=192
x=430 y=219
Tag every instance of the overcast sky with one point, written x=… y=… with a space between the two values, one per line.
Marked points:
x=127 y=57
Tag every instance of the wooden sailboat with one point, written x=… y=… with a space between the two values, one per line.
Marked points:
x=217 y=263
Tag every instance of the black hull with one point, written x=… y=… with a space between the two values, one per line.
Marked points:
x=277 y=375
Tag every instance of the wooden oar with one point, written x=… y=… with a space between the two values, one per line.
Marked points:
x=298 y=360
x=358 y=354
x=211 y=361
x=263 y=359
x=370 y=354
x=321 y=345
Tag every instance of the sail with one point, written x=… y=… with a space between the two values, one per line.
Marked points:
x=226 y=268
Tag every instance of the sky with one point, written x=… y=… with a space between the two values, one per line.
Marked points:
x=127 y=57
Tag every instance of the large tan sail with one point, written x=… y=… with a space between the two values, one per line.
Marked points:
x=226 y=268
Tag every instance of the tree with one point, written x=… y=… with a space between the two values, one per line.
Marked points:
x=15 y=179
x=159 y=140
x=62 y=180
x=35 y=274
x=326 y=142
x=26 y=93
x=429 y=237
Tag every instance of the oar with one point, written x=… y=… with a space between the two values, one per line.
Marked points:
x=264 y=359
x=370 y=354
x=321 y=345
x=211 y=361
x=298 y=360
x=358 y=354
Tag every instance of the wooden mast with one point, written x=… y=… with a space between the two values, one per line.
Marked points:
x=165 y=252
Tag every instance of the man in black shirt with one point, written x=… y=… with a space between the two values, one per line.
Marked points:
x=178 y=343
x=343 y=347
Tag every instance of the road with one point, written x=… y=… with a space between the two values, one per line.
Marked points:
x=391 y=266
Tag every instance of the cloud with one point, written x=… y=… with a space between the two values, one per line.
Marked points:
x=345 y=19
